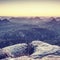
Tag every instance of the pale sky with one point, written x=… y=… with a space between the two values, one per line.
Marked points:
x=29 y=8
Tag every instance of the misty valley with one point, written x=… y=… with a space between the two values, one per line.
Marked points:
x=30 y=35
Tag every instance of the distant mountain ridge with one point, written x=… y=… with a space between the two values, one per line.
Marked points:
x=12 y=33
x=4 y=21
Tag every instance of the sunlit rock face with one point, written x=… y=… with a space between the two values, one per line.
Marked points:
x=50 y=57
x=42 y=49
x=20 y=58
x=16 y=50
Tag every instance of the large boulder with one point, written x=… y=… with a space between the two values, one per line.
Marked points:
x=42 y=49
x=16 y=50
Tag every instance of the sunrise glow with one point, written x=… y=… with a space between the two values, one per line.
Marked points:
x=29 y=8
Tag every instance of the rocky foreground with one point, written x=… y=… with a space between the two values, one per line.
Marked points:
x=51 y=57
x=36 y=50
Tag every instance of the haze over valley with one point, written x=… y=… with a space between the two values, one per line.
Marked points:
x=29 y=36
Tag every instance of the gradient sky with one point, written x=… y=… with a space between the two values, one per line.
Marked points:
x=29 y=8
